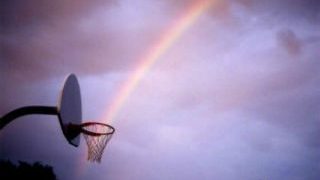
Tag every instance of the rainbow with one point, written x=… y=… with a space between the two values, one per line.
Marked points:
x=163 y=44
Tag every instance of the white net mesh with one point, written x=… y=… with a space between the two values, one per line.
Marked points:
x=97 y=143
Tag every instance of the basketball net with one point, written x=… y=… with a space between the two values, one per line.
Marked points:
x=97 y=143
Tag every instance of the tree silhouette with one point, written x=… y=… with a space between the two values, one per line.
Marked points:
x=8 y=170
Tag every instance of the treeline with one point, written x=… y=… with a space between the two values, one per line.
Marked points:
x=24 y=170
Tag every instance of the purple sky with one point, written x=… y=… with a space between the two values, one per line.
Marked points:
x=236 y=97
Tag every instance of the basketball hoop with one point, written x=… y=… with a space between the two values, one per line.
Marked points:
x=97 y=135
x=69 y=113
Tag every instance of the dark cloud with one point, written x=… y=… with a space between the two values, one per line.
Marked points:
x=288 y=10
x=50 y=39
x=17 y=15
x=42 y=40
x=289 y=41
x=39 y=34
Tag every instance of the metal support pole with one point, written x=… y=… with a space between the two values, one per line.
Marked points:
x=7 y=118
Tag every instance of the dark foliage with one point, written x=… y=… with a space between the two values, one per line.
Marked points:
x=8 y=170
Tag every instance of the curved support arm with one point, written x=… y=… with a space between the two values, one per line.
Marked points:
x=7 y=118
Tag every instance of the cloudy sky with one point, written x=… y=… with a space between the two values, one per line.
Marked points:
x=236 y=96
